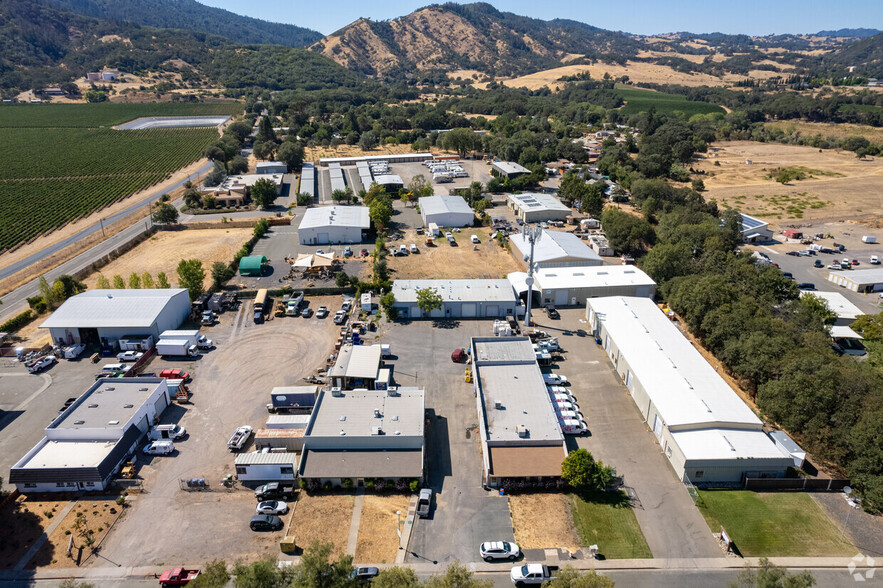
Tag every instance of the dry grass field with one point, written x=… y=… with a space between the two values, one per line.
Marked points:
x=316 y=153
x=543 y=521
x=485 y=260
x=838 y=186
x=378 y=540
x=163 y=251
x=95 y=520
x=323 y=518
x=835 y=130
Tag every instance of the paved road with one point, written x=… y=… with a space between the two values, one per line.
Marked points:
x=50 y=250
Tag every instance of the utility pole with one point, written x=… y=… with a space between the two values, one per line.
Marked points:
x=532 y=235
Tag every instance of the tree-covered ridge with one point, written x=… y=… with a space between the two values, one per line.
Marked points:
x=192 y=16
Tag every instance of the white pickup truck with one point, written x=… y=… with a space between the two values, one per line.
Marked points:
x=555 y=380
x=532 y=574
x=239 y=438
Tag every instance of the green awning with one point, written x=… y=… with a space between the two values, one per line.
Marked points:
x=252 y=265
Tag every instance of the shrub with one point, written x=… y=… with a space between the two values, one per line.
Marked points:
x=380 y=485
x=369 y=483
x=413 y=485
x=302 y=483
x=348 y=483
x=18 y=321
x=326 y=486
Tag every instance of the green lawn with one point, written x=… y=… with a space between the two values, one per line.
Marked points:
x=606 y=519
x=768 y=524
x=641 y=100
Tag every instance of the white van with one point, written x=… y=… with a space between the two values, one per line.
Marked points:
x=559 y=398
x=159 y=448
x=564 y=415
x=555 y=380
x=162 y=432
x=475 y=239
x=564 y=405
x=573 y=427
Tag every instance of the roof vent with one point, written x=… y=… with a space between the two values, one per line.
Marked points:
x=342 y=418
x=398 y=432
x=376 y=431
x=342 y=432
x=109 y=389
x=93 y=406
x=522 y=431
x=395 y=418
x=377 y=413
x=498 y=404
x=113 y=423
x=336 y=392
x=142 y=389
x=128 y=406
x=79 y=422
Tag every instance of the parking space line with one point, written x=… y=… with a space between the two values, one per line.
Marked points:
x=771 y=250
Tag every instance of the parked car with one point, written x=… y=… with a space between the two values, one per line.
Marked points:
x=573 y=426
x=855 y=262
x=174 y=374
x=363 y=253
x=403 y=250
x=322 y=312
x=347 y=305
x=788 y=275
x=474 y=239
x=129 y=356
x=319 y=251
x=875 y=260
x=818 y=263
x=532 y=574
x=449 y=235
x=555 y=380
x=274 y=491
x=491 y=550
x=307 y=312
x=178 y=576
x=794 y=253
x=806 y=286
x=413 y=248
x=364 y=575
x=163 y=447
x=348 y=252
x=424 y=502
x=339 y=317
x=835 y=266
x=551 y=312
x=272 y=507
x=265 y=523
x=239 y=438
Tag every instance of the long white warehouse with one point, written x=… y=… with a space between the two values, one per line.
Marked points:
x=446 y=211
x=328 y=225
x=706 y=431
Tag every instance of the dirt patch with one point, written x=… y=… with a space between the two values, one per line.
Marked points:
x=24 y=520
x=835 y=130
x=325 y=518
x=636 y=71
x=163 y=251
x=88 y=522
x=378 y=538
x=543 y=521
x=31 y=335
x=485 y=260
x=838 y=186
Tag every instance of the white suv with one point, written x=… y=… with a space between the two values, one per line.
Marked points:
x=491 y=550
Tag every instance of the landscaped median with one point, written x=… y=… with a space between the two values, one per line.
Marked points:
x=773 y=524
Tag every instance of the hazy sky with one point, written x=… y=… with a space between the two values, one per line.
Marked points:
x=754 y=17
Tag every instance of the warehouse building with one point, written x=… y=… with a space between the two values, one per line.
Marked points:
x=533 y=208
x=508 y=169
x=554 y=249
x=357 y=366
x=390 y=182
x=708 y=434
x=85 y=446
x=362 y=434
x=271 y=167
x=862 y=281
x=446 y=211
x=520 y=434
x=327 y=225
x=572 y=286
x=755 y=230
x=308 y=180
x=390 y=158
x=262 y=466
x=105 y=316
x=460 y=298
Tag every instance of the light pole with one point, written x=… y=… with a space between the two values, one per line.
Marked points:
x=532 y=235
x=848 y=491
x=399 y=528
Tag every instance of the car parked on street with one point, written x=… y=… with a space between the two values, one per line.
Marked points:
x=272 y=507
x=265 y=523
x=491 y=550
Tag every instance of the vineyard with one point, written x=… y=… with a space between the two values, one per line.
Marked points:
x=104 y=114
x=53 y=176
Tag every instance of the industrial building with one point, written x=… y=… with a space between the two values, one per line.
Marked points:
x=362 y=434
x=862 y=281
x=475 y=298
x=265 y=466
x=330 y=225
x=99 y=316
x=357 y=366
x=308 y=180
x=508 y=169
x=335 y=175
x=85 y=445
x=600 y=245
x=708 y=434
x=271 y=167
x=755 y=230
x=572 y=286
x=390 y=182
x=533 y=208
x=446 y=211
x=390 y=158
x=520 y=433
x=554 y=249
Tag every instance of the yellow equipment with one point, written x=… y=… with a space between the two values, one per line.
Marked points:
x=128 y=471
x=468 y=375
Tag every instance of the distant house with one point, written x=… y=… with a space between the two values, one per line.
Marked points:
x=508 y=169
x=755 y=230
x=109 y=76
x=94 y=76
x=271 y=167
x=534 y=207
x=235 y=190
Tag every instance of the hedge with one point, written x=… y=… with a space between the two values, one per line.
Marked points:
x=18 y=321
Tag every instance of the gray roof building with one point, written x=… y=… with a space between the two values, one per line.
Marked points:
x=555 y=249
x=471 y=298
x=533 y=207
x=446 y=211
x=356 y=366
x=509 y=169
x=333 y=224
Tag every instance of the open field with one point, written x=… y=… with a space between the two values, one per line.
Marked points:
x=103 y=114
x=485 y=260
x=378 y=540
x=324 y=518
x=315 y=153
x=769 y=524
x=163 y=251
x=606 y=519
x=836 y=130
x=838 y=185
x=641 y=100
x=543 y=521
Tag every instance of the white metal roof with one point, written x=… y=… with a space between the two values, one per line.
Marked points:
x=506 y=370
x=685 y=389
x=430 y=205
x=782 y=438
x=591 y=277
x=719 y=444
x=288 y=421
x=510 y=167
x=475 y=290
x=269 y=458
x=555 y=245
x=536 y=202
x=335 y=216
x=113 y=308
x=862 y=277
x=843 y=332
x=69 y=454
x=353 y=413
x=837 y=303
x=110 y=403
x=357 y=361
x=384 y=179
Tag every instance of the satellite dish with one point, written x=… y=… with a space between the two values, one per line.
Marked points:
x=847 y=490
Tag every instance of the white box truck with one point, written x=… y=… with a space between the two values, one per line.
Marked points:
x=176 y=348
x=869 y=239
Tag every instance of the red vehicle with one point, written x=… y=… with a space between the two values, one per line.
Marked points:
x=177 y=577
x=459 y=356
x=174 y=374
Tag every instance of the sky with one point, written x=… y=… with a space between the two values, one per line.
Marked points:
x=645 y=17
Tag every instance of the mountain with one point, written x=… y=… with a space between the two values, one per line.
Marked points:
x=192 y=16
x=858 y=33
x=469 y=36
x=866 y=55
x=41 y=45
